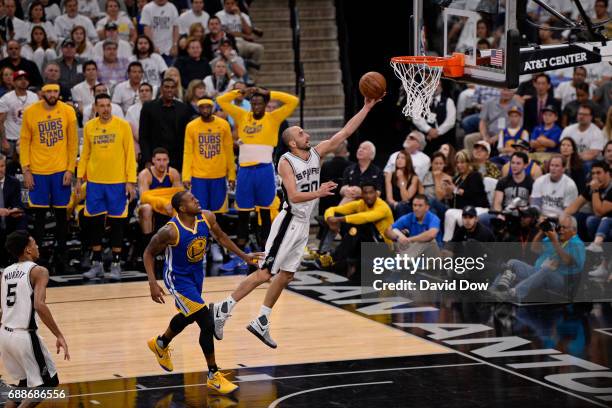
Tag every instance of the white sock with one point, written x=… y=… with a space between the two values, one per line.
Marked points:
x=230 y=303
x=265 y=311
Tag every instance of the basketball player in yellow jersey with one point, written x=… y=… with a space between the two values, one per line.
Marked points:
x=49 y=144
x=208 y=158
x=258 y=135
x=108 y=163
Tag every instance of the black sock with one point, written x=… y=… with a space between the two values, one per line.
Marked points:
x=116 y=257
x=96 y=256
x=164 y=340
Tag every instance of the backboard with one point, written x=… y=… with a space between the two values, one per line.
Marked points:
x=485 y=31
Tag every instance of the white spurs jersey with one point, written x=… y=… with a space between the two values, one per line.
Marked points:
x=306 y=173
x=17 y=296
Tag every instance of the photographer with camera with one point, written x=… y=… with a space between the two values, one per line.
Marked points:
x=561 y=259
x=514 y=188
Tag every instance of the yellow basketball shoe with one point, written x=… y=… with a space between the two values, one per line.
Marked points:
x=161 y=354
x=220 y=384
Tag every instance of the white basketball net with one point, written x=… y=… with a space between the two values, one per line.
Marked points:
x=420 y=82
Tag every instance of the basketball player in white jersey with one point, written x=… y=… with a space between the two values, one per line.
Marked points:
x=23 y=291
x=299 y=171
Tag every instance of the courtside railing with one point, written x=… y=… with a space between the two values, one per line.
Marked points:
x=298 y=66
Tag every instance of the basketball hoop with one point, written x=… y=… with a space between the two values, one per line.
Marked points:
x=420 y=76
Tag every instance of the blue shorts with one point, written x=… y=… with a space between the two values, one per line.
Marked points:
x=49 y=191
x=255 y=186
x=187 y=291
x=107 y=199
x=211 y=193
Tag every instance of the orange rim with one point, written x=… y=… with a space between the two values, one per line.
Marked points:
x=452 y=66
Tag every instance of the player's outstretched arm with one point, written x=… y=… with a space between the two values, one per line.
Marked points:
x=165 y=236
x=221 y=237
x=40 y=278
x=351 y=126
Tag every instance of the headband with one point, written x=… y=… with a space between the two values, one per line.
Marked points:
x=51 y=87
x=206 y=101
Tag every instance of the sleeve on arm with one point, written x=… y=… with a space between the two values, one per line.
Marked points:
x=130 y=155
x=73 y=138
x=347 y=208
x=145 y=16
x=373 y=215
x=599 y=142
x=451 y=117
x=571 y=193
x=434 y=222
x=390 y=166
x=3 y=105
x=401 y=223
x=187 y=155
x=290 y=102
x=500 y=185
x=25 y=140
x=228 y=146
x=225 y=102
x=84 y=159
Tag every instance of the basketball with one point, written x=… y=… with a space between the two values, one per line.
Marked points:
x=372 y=85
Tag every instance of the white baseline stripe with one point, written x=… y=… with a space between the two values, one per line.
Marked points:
x=286 y=397
x=277 y=378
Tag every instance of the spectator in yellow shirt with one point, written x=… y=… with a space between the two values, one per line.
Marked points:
x=48 y=144
x=257 y=136
x=108 y=163
x=363 y=220
x=208 y=158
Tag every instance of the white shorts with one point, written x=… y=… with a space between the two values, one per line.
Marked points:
x=286 y=242
x=25 y=356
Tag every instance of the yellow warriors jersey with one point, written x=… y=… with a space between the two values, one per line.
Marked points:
x=49 y=140
x=209 y=150
x=108 y=152
x=258 y=137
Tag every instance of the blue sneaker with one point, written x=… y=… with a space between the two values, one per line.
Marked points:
x=236 y=263
x=241 y=268
x=230 y=265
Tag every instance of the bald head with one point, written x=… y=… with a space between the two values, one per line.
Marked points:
x=289 y=134
x=299 y=139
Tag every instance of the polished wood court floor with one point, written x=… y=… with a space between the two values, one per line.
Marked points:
x=107 y=326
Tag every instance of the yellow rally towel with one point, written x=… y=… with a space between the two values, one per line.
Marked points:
x=159 y=198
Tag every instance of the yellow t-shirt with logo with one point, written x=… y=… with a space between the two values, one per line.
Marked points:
x=209 y=150
x=108 y=152
x=48 y=139
x=262 y=131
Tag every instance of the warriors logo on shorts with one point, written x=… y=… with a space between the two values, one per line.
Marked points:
x=196 y=249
